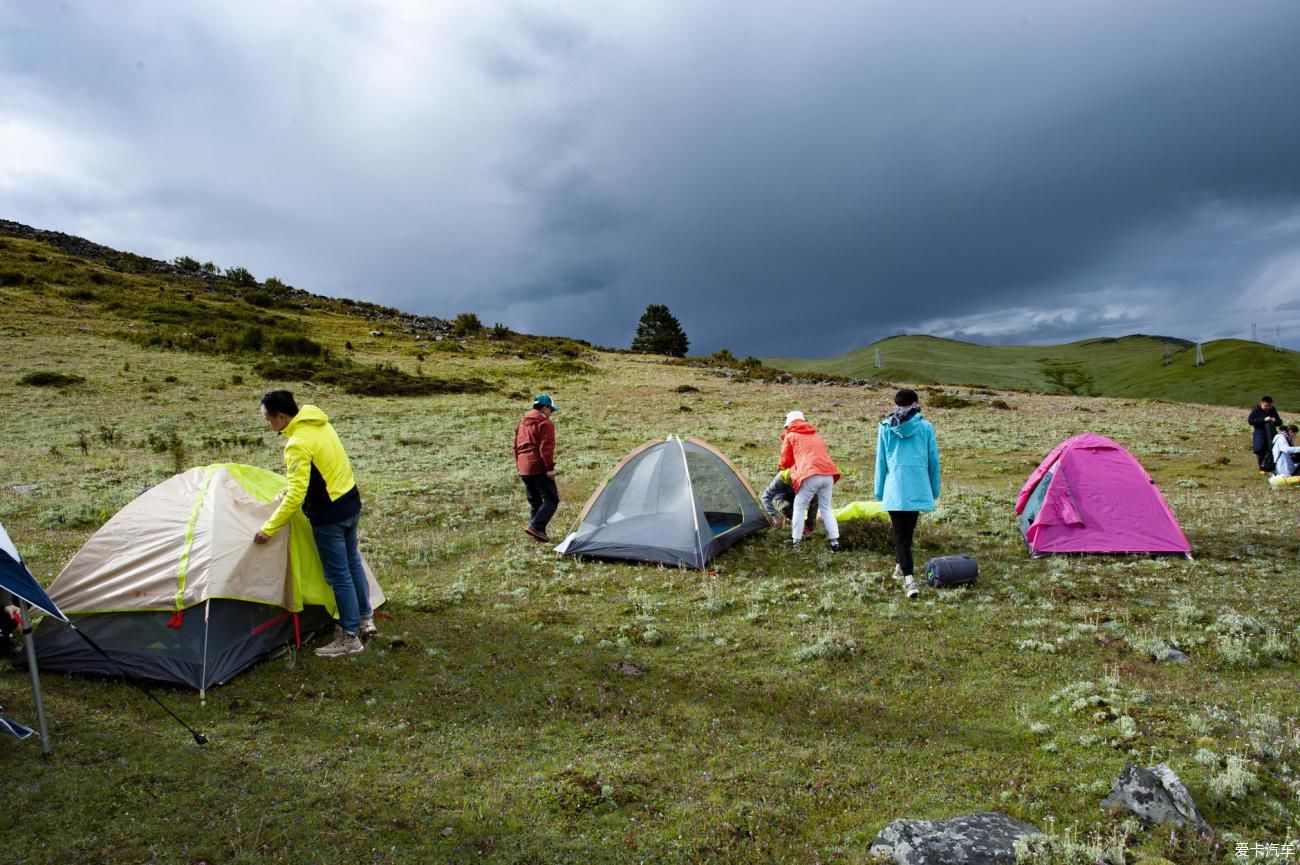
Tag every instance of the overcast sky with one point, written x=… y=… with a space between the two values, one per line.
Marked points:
x=789 y=178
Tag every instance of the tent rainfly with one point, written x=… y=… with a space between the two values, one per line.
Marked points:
x=1090 y=495
x=175 y=590
x=22 y=586
x=675 y=501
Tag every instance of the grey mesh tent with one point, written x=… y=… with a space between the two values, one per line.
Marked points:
x=675 y=501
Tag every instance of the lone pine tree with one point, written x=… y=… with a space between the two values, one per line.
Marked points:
x=659 y=332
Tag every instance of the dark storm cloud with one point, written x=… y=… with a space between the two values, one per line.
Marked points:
x=788 y=183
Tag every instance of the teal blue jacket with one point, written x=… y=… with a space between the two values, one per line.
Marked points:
x=907 y=465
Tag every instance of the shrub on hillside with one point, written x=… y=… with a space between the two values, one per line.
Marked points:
x=546 y=368
x=12 y=278
x=50 y=379
x=948 y=400
x=261 y=299
x=285 y=370
x=297 y=346
x=240 y=276
x=252 y=338
x=466 y=324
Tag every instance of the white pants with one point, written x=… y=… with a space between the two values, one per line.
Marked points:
x=819 y=486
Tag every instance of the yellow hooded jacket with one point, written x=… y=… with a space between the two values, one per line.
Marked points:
x=320 y=477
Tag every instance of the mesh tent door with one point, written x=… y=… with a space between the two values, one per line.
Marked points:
x=1035 y=502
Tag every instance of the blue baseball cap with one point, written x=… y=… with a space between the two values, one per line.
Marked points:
x=544 y=399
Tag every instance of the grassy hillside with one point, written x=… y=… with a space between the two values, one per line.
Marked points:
x=524 y=708
x=1235 y=372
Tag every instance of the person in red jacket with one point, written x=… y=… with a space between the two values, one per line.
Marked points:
x=535 y=461
x=812 y=472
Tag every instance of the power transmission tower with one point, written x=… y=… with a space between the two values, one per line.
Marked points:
x=1169 y=354
x=880 y=360
x=1200 y=358
x=1252 y=333
x=1276 y=347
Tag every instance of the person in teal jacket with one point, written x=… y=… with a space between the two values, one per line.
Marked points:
x=907 y=477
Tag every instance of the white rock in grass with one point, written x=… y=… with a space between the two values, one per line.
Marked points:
x=985 y=838
x=1156 y=795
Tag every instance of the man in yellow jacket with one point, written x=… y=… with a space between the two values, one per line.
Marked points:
x=321 y=483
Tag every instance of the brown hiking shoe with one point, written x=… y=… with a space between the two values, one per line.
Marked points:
x=367 y=629
x=344 y=644
x=540 y=537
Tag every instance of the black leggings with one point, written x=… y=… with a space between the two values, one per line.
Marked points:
x=904 y=523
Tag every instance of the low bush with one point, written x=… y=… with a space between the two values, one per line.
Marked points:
x=385 y=380
x=948 y=400
x=297 y=346
x=548 y=368
x=50 y=379
x=12 y=278
x=467 y=324
x=874 y=536
x=285 y=370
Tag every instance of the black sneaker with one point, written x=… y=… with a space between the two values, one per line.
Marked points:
x=794 y=545
x=835 y=546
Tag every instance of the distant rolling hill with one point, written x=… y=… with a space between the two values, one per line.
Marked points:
x=1235 y=372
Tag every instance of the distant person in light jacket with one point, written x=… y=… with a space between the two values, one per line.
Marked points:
x=1285 y=450
x=1264 y=420
x=907 y=477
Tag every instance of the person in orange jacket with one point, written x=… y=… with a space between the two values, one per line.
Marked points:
x=813 y=473
x=535 y=462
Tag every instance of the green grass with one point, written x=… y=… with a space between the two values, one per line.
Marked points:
x=520 y=707
x=1235 y=372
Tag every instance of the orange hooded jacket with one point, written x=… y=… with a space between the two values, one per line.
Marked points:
x=805 y=454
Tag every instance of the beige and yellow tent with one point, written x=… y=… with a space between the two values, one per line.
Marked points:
x=174 y=589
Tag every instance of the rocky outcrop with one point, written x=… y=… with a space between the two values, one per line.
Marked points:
x=1156 y=795
x=984 y=838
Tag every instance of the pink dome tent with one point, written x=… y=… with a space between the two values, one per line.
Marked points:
x=1090 y=495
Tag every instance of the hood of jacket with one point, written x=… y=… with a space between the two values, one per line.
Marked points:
x=308 y=415
x=906 y=429
x=534 y=416
x=801 y=427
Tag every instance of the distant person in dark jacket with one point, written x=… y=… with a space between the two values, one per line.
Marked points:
x=778 y=501
x=535 y=462
x=907 y=477
x=1265 y=421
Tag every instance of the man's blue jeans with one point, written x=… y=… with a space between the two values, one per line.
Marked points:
x=339 y=554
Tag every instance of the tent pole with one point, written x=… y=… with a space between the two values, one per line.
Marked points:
x=30 y=646
x=203 y=677
x=695 y=505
